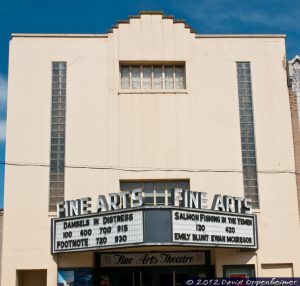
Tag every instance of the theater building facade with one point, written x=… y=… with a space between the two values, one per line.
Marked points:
x=148 y=155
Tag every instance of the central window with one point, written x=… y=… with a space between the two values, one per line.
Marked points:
x=152 y=77
x=155 y=192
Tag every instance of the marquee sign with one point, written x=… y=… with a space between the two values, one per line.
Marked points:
x=214 y=229
x=153 y=226
x=122 y=220
x=152 y=259
x=135 y=198
x=97 y=231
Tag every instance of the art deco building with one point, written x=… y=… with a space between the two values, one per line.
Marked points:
x=148 y=155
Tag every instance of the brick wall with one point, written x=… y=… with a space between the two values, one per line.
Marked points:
x=296 y=138
x=1 y=239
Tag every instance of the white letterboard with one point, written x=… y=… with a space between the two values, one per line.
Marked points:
x=97 y=231
x=214 y=229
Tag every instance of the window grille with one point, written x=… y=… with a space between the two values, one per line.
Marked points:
x=152 y=77
x=57 y=144
x=155 y=192
x=247 y=132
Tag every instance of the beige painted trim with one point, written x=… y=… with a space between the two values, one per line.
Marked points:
x=14 y=35
x=242 y=36
x=156 y=91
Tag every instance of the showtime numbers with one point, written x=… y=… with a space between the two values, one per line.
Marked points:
x=105 y=230
x=120 y=238
x=67 y=234
x=85 y=232
x=108 y=230
x=229 y=229
x=200 y=227
x=97 y=231
x=122 y=228
x=101 y=240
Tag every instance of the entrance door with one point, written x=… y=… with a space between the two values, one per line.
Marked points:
x=148 y=277
x=155 y=278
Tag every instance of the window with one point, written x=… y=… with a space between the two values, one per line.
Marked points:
x=152 y=77
x=155 y=192
x=31 y=277
x=277 y=270
x=75 y=276
x=247 y=132
x=57 y=152
x=239 y=271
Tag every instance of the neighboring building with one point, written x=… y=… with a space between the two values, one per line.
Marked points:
x=148 y=117
x=294 y=94
x=1 y=239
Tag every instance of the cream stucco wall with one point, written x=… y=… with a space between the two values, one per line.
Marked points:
x=197 y=129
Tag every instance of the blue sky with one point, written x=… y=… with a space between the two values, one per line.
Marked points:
x=97 y=16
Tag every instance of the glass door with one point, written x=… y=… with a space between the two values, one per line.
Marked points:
x=183 y=275
x=166 y=278
x=149 y=276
